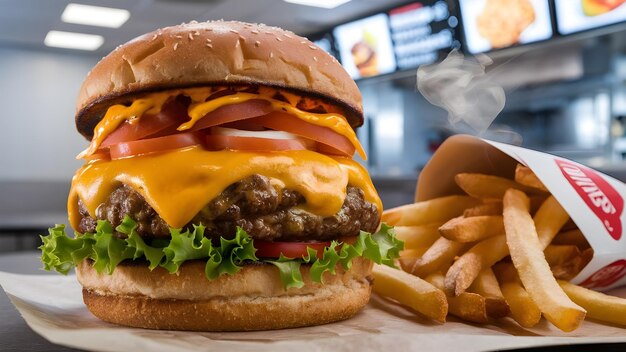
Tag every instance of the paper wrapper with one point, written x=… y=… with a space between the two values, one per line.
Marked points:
x=52 y=306
x=594 y=201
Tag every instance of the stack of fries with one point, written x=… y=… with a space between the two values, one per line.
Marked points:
x=506 y=249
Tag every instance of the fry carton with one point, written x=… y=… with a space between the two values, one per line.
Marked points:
x=594 y=201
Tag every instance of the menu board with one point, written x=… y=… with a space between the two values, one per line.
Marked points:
x=421 y=32
x=579 y=15
x=365 y=46
x=497 y=24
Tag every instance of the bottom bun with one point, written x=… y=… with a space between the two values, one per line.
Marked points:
x=252 y=299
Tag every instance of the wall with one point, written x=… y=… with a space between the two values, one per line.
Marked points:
x=38 y=90
x=38 y=139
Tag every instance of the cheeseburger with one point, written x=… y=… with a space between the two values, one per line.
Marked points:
x=218 y=191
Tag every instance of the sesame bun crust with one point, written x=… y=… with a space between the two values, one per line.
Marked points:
x=252 y=299
x=215 y=53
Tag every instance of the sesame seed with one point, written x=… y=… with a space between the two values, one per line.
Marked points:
x=257 y=43
x=196 y=33
x=154 y=36
x=178 y=36
x=287 y=35
x=233 y=31
x=237 y=44
x=193 y=22
x=209 y=45
x=279 y=39
x=190 y=36
x=175 y=46
x=271 y=54
x=303 y=42
x=208 y=40
x=315 y=58
x=254 y=31
x=313 y=47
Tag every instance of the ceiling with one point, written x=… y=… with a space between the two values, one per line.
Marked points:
x=24 y=23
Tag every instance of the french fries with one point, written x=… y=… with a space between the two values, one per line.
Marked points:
x=489 y=187
x=523 y=309
x=472 y=229
x=598 y=305
x=422 y=213
x=411 y=291
x=440 y=254
x=487 y=286
x=526 y=177
x=418 y=236
x=527 y=254
x=499 y=252
x=468 y=306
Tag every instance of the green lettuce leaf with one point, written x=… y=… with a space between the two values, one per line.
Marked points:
x=61 y=253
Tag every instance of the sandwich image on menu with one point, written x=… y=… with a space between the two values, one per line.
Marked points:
x=577 y=16
x=364 y=55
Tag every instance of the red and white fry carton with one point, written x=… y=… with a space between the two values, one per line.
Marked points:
x=594 y=201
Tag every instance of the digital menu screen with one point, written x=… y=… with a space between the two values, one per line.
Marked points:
x=325 y=42
x=421 y=32
x=497 y=24
x=580 y=15
x=365 y=46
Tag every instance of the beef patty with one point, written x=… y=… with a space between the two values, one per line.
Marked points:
x=253 y=204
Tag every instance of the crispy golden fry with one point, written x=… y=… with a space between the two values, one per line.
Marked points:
x=549 y=220
x=491 y=208
x=527 y=255
x=472 y=229
x=411 y=291
x=418 y=236
x=487 y=286
x=440 y=254
x=526 y=177
x=468 y=306
x=430 y=211
x=574 y=237
x=560 y=254
x=599 y=306
x=523 y=310
x=466 y=268
x=408 y=257
x=568 y=270
x=489 y=187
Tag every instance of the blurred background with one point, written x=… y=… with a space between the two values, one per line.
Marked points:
x=562 y=64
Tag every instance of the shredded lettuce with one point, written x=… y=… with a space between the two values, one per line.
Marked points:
x=61 y=253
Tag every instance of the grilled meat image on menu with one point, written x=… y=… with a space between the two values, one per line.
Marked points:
x=600 y=7
x=503 y=21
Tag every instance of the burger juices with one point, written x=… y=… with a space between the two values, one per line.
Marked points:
x=219 y=190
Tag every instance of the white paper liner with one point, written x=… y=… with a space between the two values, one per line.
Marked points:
x=52 y=306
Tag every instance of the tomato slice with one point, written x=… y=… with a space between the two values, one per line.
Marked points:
x=232 y=113
x=151 y=145
x=221 y=142
x=174 y=112
x=281 y=121
x=268 y=249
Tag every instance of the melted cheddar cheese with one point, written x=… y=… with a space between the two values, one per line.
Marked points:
x=179 y=183
x=199 y=107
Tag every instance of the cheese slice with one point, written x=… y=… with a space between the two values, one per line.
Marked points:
x=179 y=183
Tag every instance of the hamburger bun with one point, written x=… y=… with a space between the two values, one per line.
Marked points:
x=253 y=299
x=215 y=53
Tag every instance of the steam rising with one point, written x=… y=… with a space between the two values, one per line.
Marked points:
x=460 y=86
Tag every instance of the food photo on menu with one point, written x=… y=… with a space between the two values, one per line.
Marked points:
x=231 y=185
x=496 y=24
x=576 y=16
